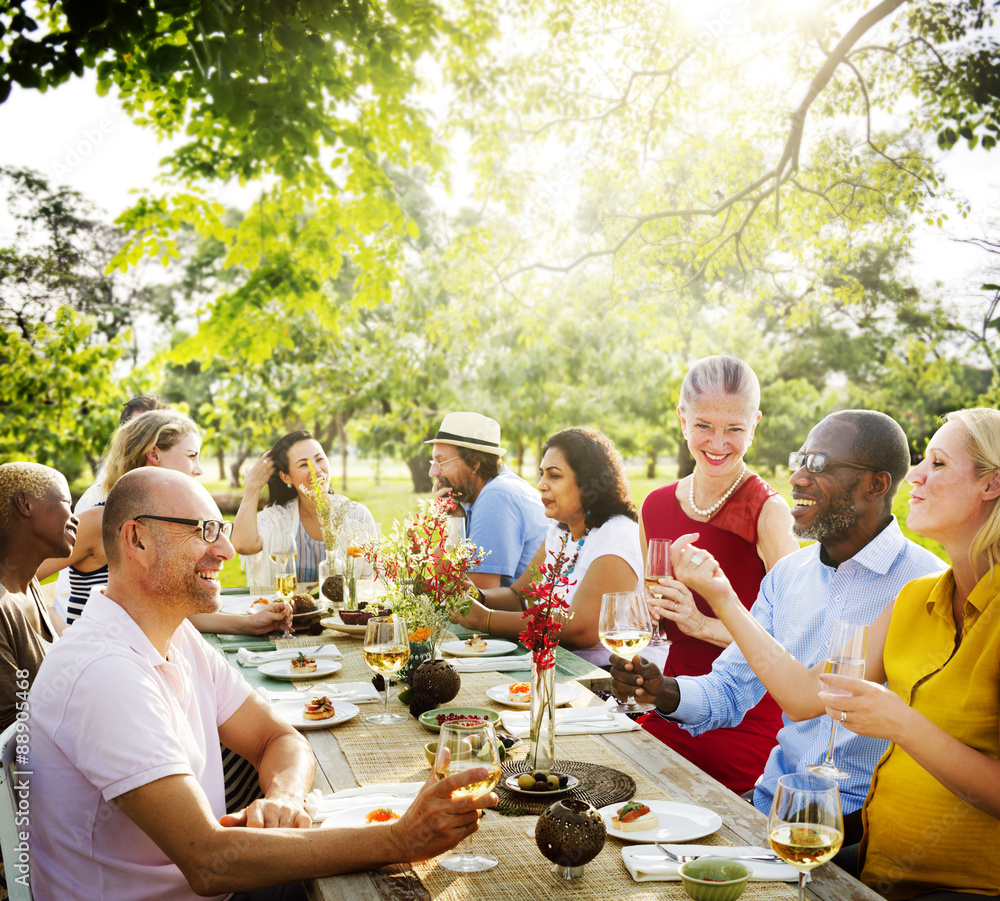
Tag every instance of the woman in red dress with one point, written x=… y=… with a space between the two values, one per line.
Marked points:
x=747 y=527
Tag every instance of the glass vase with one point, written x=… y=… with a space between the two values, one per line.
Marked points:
x=542 y=753
x=331 y=583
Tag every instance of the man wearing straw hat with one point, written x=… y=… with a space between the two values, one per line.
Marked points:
x=504 y=514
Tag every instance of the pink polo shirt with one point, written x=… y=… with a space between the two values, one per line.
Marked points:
x=109 y=714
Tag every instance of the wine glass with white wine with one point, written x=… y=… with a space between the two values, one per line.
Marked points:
x=461 y=746
x=845 y=657
x=806 y=825
x=625 y=629
x=657 y=567
x=386 y=651
x=284 y=557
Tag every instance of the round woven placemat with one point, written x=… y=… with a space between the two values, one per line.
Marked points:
x=600 y=785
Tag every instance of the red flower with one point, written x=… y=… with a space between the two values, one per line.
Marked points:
x=546 y=617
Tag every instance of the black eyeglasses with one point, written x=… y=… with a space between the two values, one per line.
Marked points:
x=211 y=529
x=817 y=462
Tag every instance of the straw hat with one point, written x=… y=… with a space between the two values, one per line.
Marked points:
x=470 y=430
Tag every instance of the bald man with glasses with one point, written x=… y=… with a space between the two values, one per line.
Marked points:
x=844 y=479
x=127 y=712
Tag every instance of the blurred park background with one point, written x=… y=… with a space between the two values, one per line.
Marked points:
x=366 y=215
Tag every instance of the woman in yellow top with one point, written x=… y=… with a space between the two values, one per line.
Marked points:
x=932 y=816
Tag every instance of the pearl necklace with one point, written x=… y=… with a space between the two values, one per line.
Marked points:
x=720 y=501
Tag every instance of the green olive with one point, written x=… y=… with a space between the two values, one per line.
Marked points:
x=526 y=781
x=552 y=781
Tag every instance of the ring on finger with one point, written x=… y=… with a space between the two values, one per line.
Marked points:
x=843 y=716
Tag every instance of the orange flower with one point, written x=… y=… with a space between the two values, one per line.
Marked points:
x=355 y=551
x=421 y=634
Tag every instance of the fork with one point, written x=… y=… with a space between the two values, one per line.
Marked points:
x=684 y=858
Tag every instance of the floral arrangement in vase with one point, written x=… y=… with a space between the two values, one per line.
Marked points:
x=423 y=579
x=331 y=510
x=545 y=620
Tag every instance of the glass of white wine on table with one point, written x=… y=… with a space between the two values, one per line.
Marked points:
x=846 y=657
x=625 y=628
x=461 y=746
x=285 y=580
x=386 y=651
x=806 y=825
x=657 y=567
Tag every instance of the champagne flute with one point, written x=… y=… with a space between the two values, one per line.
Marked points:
x=461 y=746
x=625 y=628
x=657 y=567
x=386 y=651
x=845 y=657
x=806 y=826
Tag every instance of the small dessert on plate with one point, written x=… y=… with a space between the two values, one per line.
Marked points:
x=319 y=709
x=475 y=644
x=259 y=604
x=634 y=817
x=303 y=664
x=382 y=815
x=519 y=692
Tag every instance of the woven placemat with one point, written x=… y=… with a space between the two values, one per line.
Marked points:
x=599 y=785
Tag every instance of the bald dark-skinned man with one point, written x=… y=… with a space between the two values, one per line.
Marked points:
x=127 y=713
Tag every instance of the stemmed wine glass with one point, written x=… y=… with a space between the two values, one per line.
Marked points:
x=462 y=745
x=285 y=580
x=845 y=657
x=657 y=567
x=386 y=652
x=806 y=825
x=625 y=628
x=456 y=531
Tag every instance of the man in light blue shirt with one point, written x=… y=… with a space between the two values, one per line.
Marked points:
x=843 y=483
x=504 y=514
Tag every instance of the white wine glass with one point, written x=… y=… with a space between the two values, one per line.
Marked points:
x=461 y=746
x=657 y=567
x=845 y=657
x=386 y=651
x=806 y=825
x=456 y=531
x=625 y=628
x=284 y=557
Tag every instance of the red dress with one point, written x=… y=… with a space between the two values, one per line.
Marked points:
x=734 y=756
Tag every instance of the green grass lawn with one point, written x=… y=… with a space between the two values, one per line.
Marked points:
x=389 y=495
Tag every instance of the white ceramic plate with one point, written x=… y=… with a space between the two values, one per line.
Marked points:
x=511 y=783
x=565 y=692
x=335 y=622
x=355 y=815
x=292 y=712
x=495 y=647
x=282 y=669
x=676 y=822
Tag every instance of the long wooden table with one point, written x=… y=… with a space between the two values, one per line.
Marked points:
x=357 y=752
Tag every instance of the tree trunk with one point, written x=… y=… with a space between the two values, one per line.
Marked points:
x=234 y=470
x=685 y=462
x=342 y=438
x=651 y=464
x=520 y=458
x=419 y=473
x=220 y=456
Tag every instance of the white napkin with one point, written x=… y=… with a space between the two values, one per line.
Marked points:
x=647 y=863
x=573 y=721
x=320 y=806
x=355 y=692
x=521 y=662
x=256 y=658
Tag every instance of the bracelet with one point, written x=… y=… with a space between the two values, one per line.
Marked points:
x=488 y=615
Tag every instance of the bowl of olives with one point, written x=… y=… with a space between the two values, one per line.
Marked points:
x=541 y=782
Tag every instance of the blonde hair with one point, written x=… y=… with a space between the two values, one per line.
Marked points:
x=33 y=479
x=135 y=439
x=982 y=443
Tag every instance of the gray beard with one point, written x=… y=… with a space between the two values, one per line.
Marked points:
x=842 y=515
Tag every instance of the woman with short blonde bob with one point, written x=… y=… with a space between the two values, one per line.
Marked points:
x=932 y=816
x=159 y=438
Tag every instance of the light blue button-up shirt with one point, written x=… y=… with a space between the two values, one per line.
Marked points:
x=799 y=602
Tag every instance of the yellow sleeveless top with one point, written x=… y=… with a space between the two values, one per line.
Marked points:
x=920 y=837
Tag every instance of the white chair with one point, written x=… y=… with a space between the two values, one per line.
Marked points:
x=9 y=841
